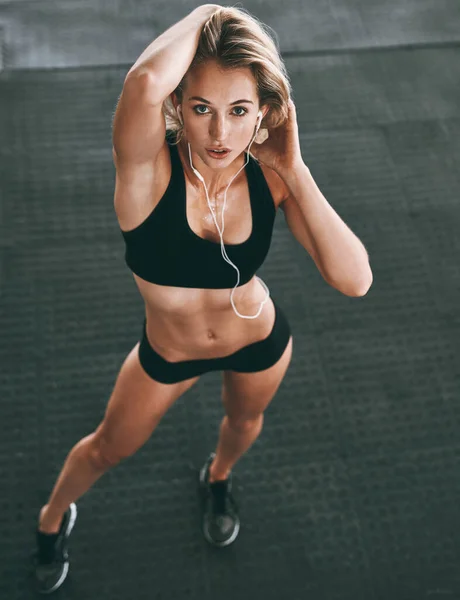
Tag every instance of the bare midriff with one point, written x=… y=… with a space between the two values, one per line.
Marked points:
x=191 y=324
x=188 y=323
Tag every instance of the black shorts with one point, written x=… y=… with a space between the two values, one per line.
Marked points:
x=254 y=357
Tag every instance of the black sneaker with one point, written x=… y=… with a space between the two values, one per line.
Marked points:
x=51 y=561
x=221 y=523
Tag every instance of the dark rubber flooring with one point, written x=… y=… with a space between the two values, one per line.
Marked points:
x=352 y=490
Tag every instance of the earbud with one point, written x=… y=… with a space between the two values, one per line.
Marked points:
x=259 y=119
x=261 y=135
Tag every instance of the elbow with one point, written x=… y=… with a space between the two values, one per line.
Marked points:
x=363 y=288
x=353 y=290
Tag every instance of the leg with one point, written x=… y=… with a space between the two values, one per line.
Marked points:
x=245 y=397
x=135 y=408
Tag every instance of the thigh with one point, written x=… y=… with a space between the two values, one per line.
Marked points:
x=246 y=395
x=257 y=371
x=135 y=408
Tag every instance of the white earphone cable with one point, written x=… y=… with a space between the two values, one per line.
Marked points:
x=221 y=232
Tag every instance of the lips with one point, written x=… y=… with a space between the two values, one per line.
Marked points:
x=219 y=149
x=218 y=155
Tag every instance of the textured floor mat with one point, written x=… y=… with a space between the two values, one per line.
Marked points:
x=352 y=489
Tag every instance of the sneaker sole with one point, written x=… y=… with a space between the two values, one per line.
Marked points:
x=230 y=540
x=65 y=570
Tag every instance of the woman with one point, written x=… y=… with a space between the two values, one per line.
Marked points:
x=197 y=224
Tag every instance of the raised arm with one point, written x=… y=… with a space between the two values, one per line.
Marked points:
x=169 y=56
x=138 y=130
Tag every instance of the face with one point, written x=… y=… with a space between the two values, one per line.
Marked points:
x=226 y=114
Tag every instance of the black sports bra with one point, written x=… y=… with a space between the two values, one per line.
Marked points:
x=163 y=249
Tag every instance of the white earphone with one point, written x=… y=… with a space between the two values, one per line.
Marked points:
x=259 y=137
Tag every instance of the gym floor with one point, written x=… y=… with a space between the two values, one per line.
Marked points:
x=352 y=490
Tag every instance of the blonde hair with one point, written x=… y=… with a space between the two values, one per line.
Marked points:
x=235 y=39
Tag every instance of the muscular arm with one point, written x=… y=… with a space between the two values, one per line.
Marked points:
x=170 y=55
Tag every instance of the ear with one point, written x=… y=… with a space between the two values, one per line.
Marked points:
x=265 y=108
x=174 y=100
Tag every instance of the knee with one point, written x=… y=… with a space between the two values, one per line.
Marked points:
x=245 y=425
x=103 y=454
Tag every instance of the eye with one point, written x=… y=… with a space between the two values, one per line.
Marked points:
x=198 y=112
x=199 y=106
x=240 y=108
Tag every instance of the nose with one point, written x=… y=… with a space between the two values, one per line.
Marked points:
x=219 y=128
